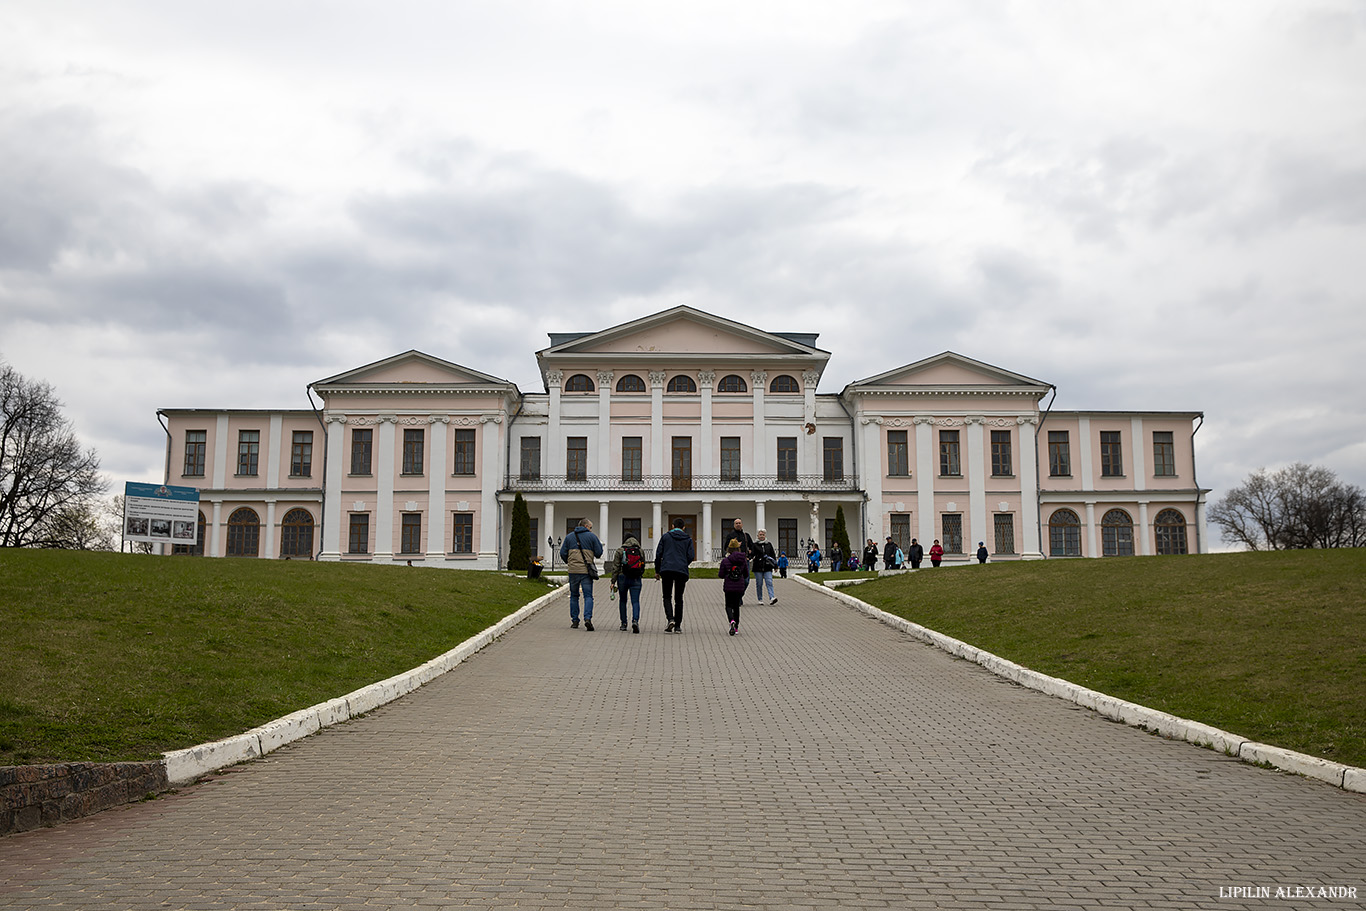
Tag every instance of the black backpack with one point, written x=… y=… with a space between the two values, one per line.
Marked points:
x=736 y=571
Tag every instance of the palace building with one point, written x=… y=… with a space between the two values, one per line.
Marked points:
x=684 y=414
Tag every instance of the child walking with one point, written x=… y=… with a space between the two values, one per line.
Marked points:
x=734 y=572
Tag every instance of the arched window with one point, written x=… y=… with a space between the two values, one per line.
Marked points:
x=579 y=382
x=1117 y=534
x=630 y=383
x=1064 y=534
x=296 y=534
x=681 y=383
x=784 y=383
x=1171 y=532
x=197 y=548
x=244 y=533
x=731 y=383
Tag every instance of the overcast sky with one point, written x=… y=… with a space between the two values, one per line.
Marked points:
x=1152 y=205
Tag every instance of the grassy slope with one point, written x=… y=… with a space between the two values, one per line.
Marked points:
x=112 y=657
x=1271 y=646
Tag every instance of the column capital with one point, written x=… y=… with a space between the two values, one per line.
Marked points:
x=554 y=377
x=605 y=378
x=490 y=419
x=657 y=377
x=870 y=419
x=810 y=378
x=706 y=377
x=1027 y=419
x=758 y=378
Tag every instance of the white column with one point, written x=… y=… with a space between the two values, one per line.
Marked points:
x=656 y=518
x=704 y=533
x=1201 y=526
x=811 y=448
x=815 y=532
x=657 y=378
x=220 y=454
x=550 y=530
x=604 y=517
x=554 y=442
x=271 y=450
x=977 y=483
x=1140 y=468
x=706 y=381
x=604 y=459
x=384 y=482
x=217 y=534
x=437 y=472
x=925 y=469
x=491 y=428
x=332 y=495
x=760 y=520
x=1029 y=488
x=1092 y=548
x=871 y=473
x=268 y=533
x=1143 y=530
x=761 y=441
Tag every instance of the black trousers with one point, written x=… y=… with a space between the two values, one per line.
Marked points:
x=733 y=601
x=673 y=584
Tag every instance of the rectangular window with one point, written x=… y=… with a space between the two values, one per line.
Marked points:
x=898 y=457
x=358 y=541
x=730 y=458
x=901 y=531
x=787 y=537
x=630 y=528
x=952 y=537
x=412 y=451
x=949 y=464
x=535 y=533
x=462 y=533
x=464 y=452
x=1059 y=454
x=531 y=458
x=632 y=458
x=680 y=463
x=833 y=461
x=787 y=458
x=196 y=442
x=360 y=451
x=1005 y=532
x=1164 y=454
x=410 y=540
x=248 y=451
x=576 y=459
x=1111 y=455
x=301 y=455
x=1001 y=464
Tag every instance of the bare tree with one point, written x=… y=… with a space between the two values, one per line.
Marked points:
x=1299 y=506
x=45 y=476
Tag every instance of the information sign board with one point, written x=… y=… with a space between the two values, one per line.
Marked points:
x=160 y=514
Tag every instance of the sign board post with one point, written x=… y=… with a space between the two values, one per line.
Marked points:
x=160 y=514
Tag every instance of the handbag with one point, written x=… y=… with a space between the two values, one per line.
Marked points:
x=587 y=560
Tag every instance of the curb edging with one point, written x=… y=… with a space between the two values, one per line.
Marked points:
x=1348 y=778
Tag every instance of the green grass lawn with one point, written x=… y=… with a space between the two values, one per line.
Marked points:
x=121 y=657
x=1270 y=646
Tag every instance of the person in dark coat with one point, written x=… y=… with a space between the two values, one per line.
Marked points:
x=734 y=571
x=836 y=557
x=673 y=553
x=889 y=553
x=981 y=551
x=765 y=560
x=917 y=554
x=870 y=555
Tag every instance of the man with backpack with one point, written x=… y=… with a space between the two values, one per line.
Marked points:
x=628 y=569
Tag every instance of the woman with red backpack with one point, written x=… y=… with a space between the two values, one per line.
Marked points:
x=628 y=569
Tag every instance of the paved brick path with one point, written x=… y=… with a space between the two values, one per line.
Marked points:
x=817 y=760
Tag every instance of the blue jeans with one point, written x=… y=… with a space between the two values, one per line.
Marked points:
x=759 y=580
x=625 y=585
x=579 y=581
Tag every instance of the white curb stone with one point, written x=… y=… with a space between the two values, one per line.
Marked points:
x=183 y=766
x=1347 y=777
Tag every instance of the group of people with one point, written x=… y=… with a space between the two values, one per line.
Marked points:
x=744 y=558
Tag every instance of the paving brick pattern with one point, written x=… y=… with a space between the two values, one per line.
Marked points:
x=817 y=760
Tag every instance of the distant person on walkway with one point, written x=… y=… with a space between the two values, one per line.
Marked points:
x=737 y=533
x=813 y=560
x=889 y=551
x=672 y=556
x=936 y=554
x=782 y=565
x=836 y=557
x=917 y=554
x=628 y=571
x=578 y=550
x=734 y=571
x=764 y=562
x=981 y=551
x=870 y=555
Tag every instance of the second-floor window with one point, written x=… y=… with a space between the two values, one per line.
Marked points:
x=248 y=451
x=301 y=454
x=1111 y=455
x=1164 y=454
x=361 y=441
x=464 y=452
x=787 y=458
x=576 y=459
x=1000 y=454
x=631 y=458
x=412 y=452
x=898 y=457
x=531 y=458
x=730 y=458
x=949 y=464
x=1059 y=454
x=833 y=451
x=196 y=442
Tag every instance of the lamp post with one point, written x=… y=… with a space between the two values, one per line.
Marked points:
x=551 y=542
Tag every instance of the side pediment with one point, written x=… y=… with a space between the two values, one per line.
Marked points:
x=947 y=371
x=411 y=368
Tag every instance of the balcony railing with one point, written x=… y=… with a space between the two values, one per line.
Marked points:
x=681 y=483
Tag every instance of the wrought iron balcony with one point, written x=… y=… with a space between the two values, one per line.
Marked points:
x=681 y=484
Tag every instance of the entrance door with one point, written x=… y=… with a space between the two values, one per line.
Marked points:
x=682 y=463
x=690 y=526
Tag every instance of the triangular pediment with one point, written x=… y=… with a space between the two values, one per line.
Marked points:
x=948 y=371
x=680 y=330
x=410 y=368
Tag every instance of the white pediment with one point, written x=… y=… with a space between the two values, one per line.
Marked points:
x=681 y=330
x=948 y=370
x=411 y=368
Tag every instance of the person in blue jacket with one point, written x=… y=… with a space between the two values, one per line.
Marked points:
x=579 y=548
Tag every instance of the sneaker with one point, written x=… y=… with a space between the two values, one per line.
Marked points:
x=635 y=627
x=669 y=628
x=733 y=627
x=588 y=626
x=623 y=627
x=573 y=624
x=774 y=601
x=678 y=627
